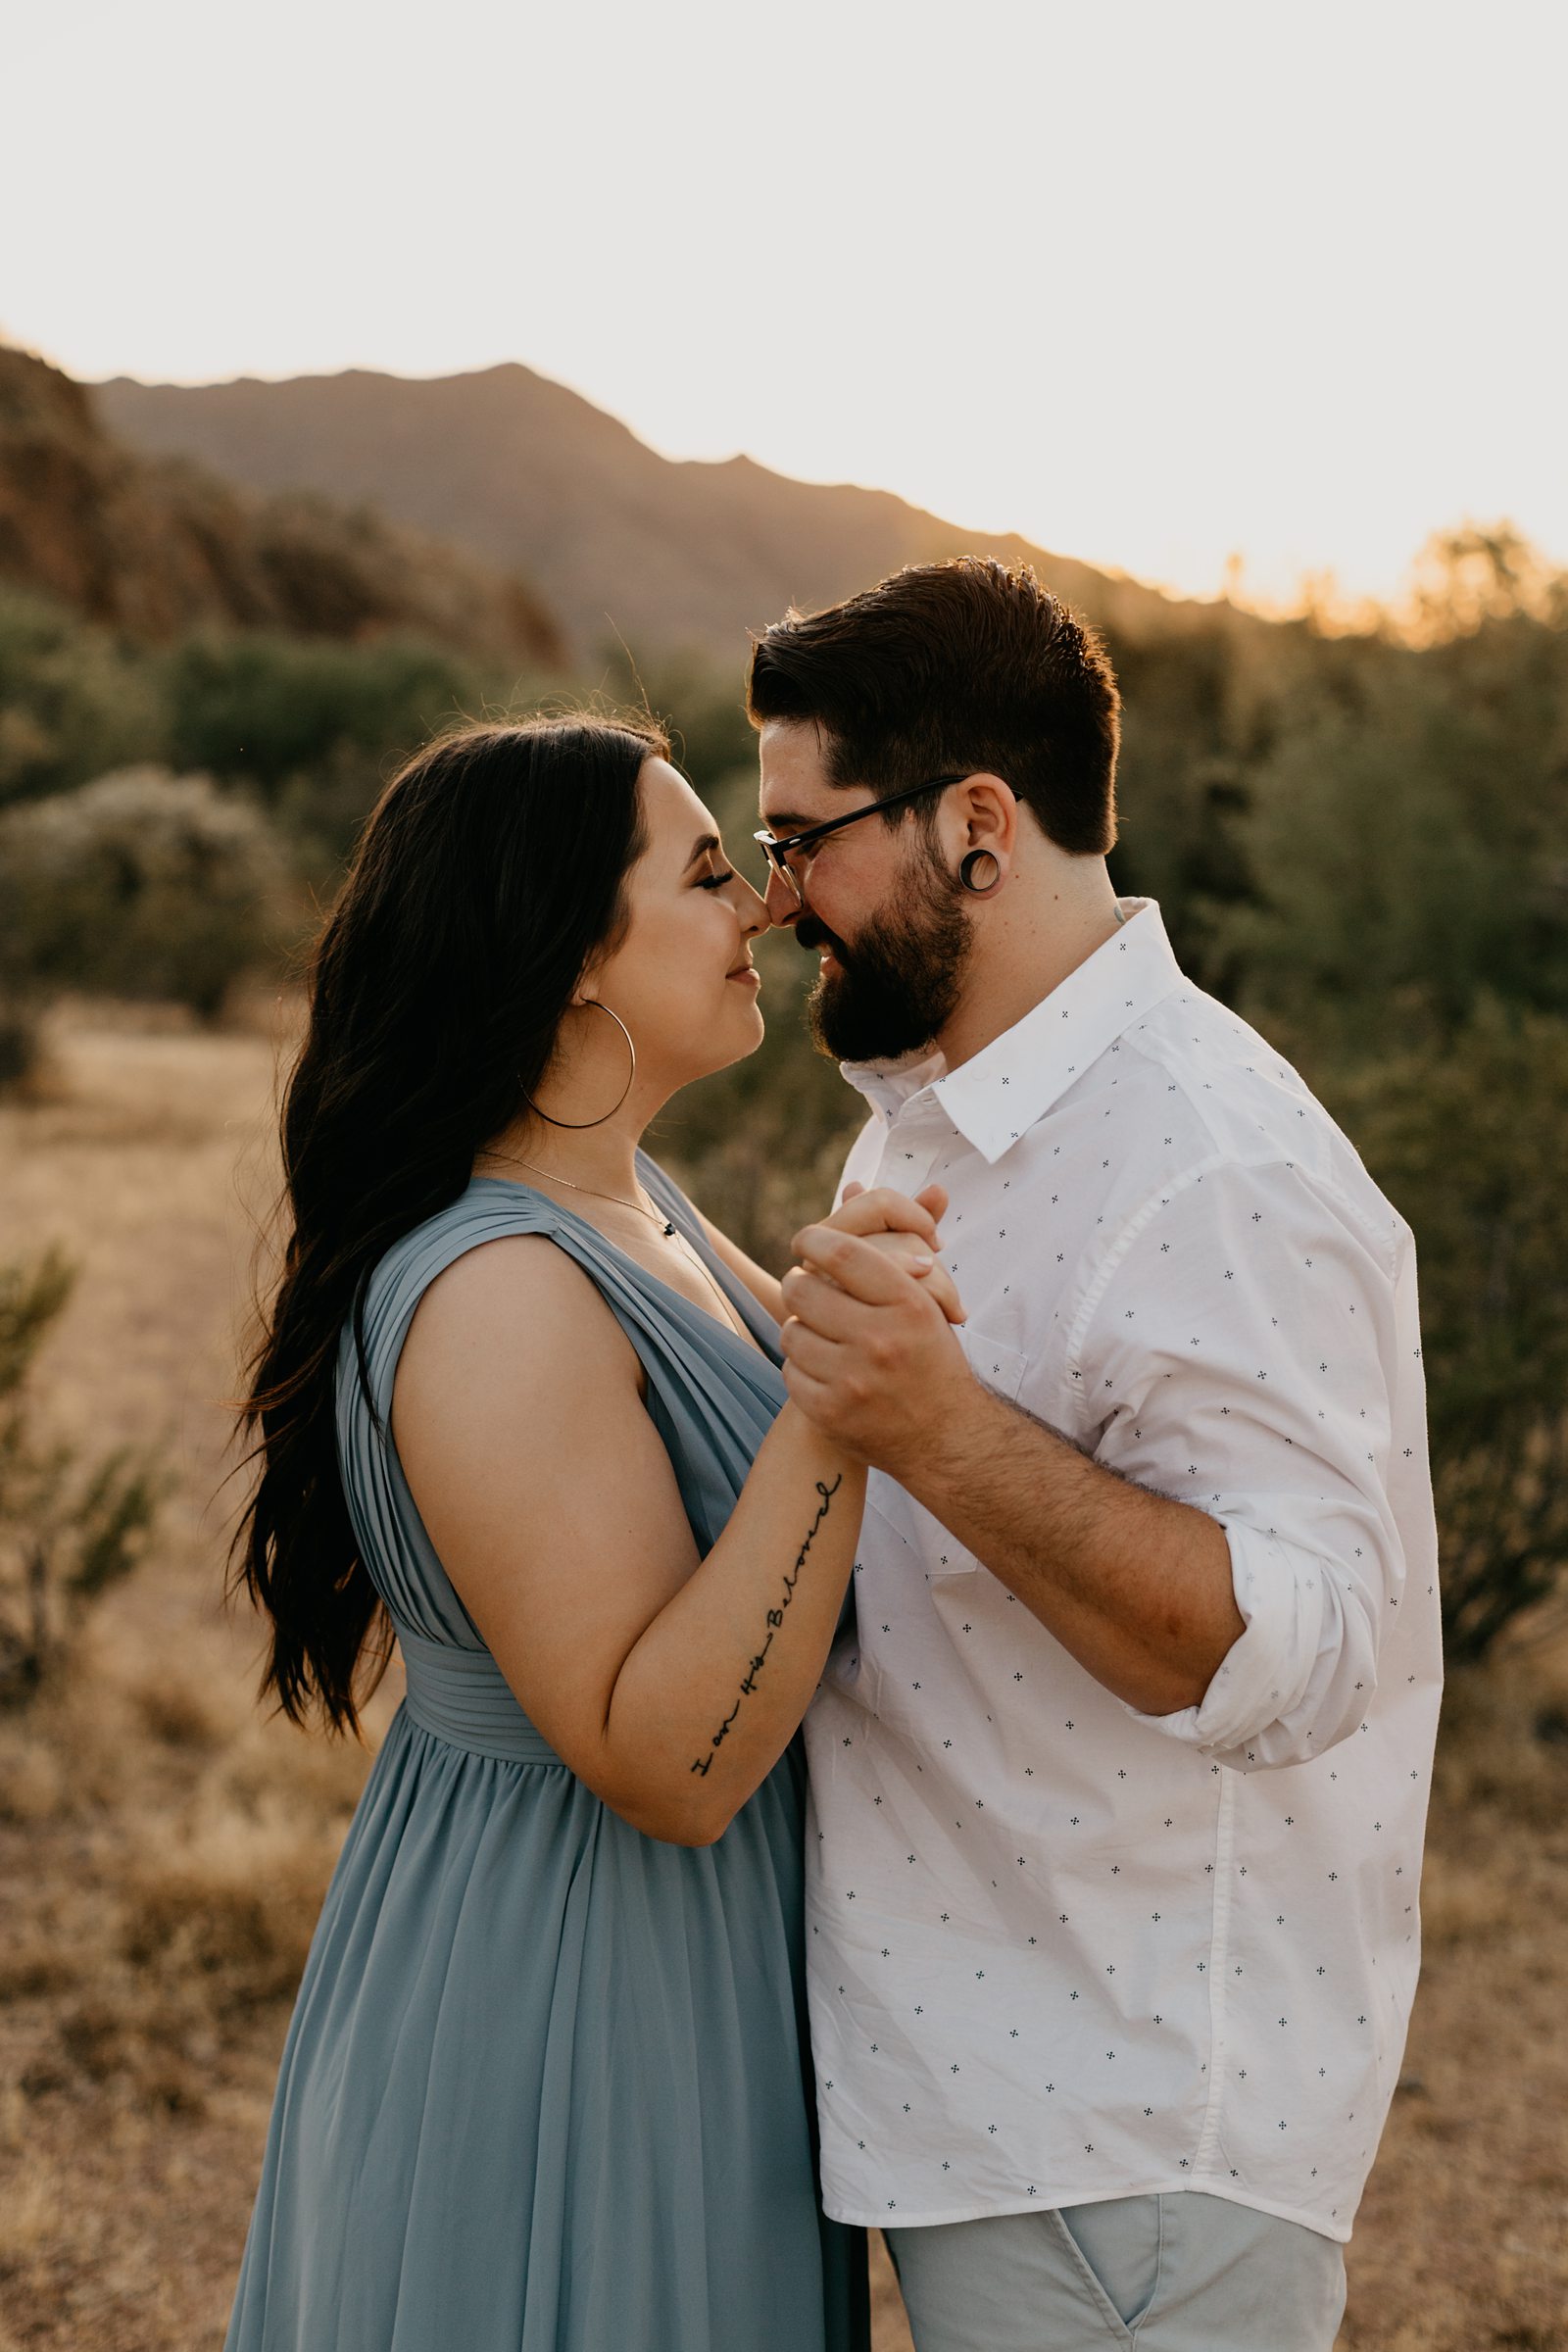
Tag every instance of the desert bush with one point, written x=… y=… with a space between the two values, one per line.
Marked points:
x=1406 y=837
x=1470 y=1140
x=75 y=700
x=143 y=884
x=314 y=728
x=1407 y=857
x=69 y=1531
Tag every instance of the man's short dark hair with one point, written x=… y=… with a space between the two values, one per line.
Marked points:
x=951 y=669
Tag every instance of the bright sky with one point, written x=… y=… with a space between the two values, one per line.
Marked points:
x=1152 y=283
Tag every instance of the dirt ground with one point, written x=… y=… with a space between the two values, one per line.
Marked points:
x=162 y=1850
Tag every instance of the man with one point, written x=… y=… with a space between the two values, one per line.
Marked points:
x=1119 y=1789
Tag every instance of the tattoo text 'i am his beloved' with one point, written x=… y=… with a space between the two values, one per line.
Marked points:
x=775 y=1618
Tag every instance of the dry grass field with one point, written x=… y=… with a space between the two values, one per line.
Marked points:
x=162 y=1850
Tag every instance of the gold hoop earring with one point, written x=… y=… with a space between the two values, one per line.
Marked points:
x=619 y=1099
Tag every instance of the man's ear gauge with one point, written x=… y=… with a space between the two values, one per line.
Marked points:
x=981 y=873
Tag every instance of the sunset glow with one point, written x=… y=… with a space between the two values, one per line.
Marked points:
x=1159 y=288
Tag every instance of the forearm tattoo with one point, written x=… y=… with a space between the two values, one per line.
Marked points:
x=775 y=1618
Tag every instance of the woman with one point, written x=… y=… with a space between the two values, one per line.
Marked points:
x=546 y=2086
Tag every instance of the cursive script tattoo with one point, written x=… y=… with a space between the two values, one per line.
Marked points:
x=775 y=1618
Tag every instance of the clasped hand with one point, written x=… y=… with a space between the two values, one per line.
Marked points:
x=869 y=1352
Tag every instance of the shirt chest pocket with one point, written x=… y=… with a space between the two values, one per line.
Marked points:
x=992 y=1361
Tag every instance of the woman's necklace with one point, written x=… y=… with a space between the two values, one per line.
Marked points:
x=666 y=1225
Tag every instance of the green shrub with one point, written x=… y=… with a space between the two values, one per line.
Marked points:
x=142 y=885
x=315 y=727
x=67 y=1533
x=1408 y=855
x=1470 y=1141
x=1405 y=833
x=74 y=701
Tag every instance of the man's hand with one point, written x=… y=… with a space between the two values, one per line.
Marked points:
x=868 y=1347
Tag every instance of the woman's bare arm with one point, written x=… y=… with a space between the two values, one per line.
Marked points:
x=670 y=1683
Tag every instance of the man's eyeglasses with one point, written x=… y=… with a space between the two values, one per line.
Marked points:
x=779 y=851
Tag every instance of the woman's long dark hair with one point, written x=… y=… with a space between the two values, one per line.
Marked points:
x=493 y=866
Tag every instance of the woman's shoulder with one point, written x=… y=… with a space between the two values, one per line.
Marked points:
x=487 y=1212
x=519 y=1266
x=516 y=1318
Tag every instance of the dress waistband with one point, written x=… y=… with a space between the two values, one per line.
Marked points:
x=463 y=1696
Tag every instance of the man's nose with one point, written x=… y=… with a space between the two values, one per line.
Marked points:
x=783 y=905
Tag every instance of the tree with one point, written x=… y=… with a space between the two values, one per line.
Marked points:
x=1470 y=1140
x=1408 y=836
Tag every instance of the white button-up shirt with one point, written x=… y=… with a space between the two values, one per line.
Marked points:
x=1059 y=1950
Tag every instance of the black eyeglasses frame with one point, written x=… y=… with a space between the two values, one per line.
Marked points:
x=776 y=848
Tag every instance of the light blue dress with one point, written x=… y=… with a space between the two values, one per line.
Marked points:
x=547 y=2086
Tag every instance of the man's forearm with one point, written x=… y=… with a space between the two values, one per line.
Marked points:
x=1137 y=1587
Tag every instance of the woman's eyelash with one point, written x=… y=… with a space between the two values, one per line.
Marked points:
x=717 y=881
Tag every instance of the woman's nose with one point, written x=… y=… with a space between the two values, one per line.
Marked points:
x=755 y=912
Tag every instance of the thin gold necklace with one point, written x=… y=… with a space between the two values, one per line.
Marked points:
x=666 y=1225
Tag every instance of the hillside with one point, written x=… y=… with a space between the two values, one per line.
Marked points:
x=530 y=475
x=154 y=546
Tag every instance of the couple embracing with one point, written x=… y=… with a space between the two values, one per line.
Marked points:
x=938 y=1742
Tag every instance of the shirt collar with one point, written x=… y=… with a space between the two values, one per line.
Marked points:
x=999 y=1092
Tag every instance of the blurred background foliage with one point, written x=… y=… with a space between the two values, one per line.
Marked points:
x=69 y=1531
x=143 y=884
x=1359 y=840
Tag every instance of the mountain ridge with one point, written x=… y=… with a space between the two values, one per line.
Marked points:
x=151 y=544
x=671 y=553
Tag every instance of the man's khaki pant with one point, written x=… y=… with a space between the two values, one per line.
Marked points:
x=1183 y=2273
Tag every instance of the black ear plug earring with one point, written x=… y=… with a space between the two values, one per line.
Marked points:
x=966 y=873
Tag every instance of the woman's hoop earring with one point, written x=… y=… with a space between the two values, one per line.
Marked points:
x=966 y=867
x=619 y=1099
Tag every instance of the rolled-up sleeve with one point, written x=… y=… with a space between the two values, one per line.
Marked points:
x=1239 y=1355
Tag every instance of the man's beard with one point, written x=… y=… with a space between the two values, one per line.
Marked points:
x=900 y=982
